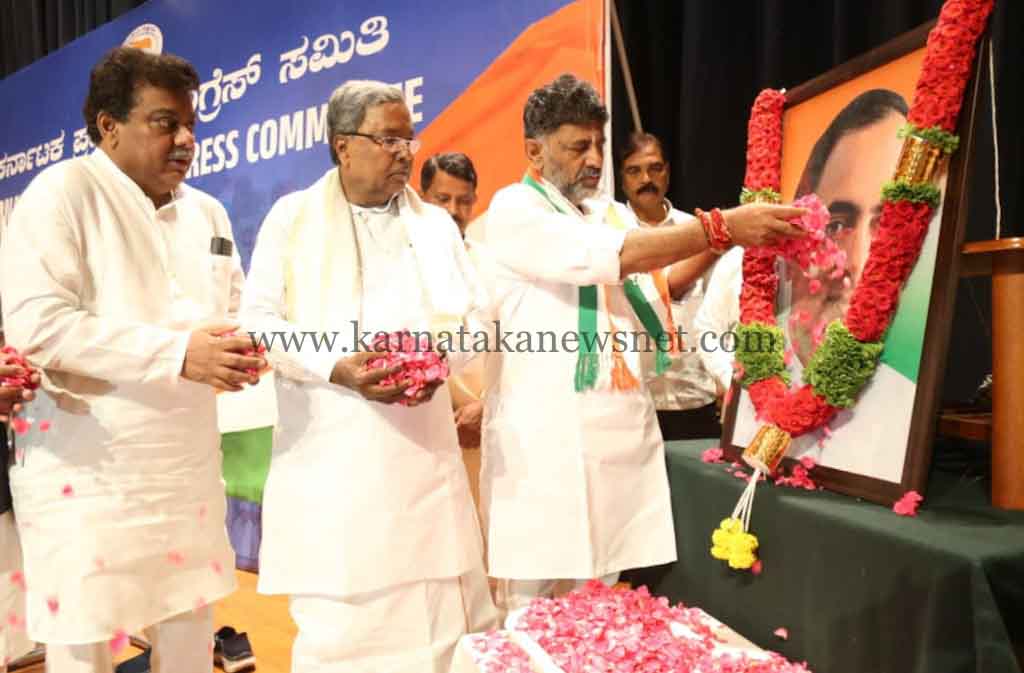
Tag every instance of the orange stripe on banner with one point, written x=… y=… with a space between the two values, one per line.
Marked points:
x=486 y=121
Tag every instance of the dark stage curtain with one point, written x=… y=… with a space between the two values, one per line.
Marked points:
x=698 y=64
x=30 y=29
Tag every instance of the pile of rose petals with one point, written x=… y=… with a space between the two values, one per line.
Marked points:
x=494 y=652
x=10 y=356
x=419 y=363
x=597 y=628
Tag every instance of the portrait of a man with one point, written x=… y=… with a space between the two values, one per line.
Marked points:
x=847 y=145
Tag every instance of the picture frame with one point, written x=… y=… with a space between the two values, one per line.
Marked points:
x=880 y=448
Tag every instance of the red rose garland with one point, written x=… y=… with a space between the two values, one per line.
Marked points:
x=907 y=210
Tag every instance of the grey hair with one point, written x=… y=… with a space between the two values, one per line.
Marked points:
x=348 y=104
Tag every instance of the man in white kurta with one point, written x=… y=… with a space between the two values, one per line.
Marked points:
x=368 y=522
x=573 y=480
x=684 y=395
x=117 y=281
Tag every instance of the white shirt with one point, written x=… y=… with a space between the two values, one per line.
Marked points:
x=687 y=384
x=718 y=315
x=363 y=496
x=573 y=485
x=101 y=290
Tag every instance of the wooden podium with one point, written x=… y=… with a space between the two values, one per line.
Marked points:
x=1003 y=260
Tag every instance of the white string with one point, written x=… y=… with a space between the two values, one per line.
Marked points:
x=995 y=139
x=750 y=505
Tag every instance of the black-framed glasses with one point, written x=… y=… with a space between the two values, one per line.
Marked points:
x=392 y=144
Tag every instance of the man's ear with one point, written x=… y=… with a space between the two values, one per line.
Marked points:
x=107 y=126
x=535 y=153
x=340 y=145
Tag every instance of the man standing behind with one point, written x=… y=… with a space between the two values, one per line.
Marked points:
x=685 y=394
x=449 y=181
x=574 y=480
x=368 y=522
x=110 y=266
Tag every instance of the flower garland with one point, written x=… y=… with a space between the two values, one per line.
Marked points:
x=849 y=351
x=846 y=359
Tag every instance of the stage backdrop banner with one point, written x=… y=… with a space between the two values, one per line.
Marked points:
x=267 y=69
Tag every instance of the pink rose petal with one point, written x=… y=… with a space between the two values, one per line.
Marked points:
x=18 y=579
x=176 y=558
x=908 y=504
x=782 y=632
x=67 y=491
x=53 y=605
x=44 y=426
x=20 y=425
x=712 y=455
x=216 y=566
x=15 y=622
x=119 y=642
x=757 y=568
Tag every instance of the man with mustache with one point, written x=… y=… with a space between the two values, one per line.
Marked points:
x=368 y=522
x=573 y=481
x=684 y=396
x=847 y=165
x=449 y=181
x=110 y=289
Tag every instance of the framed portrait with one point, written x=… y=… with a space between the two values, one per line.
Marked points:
x=840 y=141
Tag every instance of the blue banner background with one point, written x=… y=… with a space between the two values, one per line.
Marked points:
x=435 y=53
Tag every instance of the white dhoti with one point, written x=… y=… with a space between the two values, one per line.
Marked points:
x=409 y=628
x=14 y=641
x=181 y=644
x=514 y=594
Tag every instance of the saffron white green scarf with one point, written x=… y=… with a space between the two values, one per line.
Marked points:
x=656 y=317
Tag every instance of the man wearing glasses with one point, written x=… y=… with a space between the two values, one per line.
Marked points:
x=368 y=522
x=110 y=289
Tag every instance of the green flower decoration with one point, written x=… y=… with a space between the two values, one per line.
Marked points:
x=934 y=135
x=760 y=351
x=768 y=194
x=841 y=365
x=904 y=191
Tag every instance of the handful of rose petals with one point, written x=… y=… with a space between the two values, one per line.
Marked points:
x=816 y=252
x=10 y=356
x=420 y=363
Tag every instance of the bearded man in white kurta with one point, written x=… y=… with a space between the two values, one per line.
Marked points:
x=110 y=289
x=573 y=482
x=368 y=522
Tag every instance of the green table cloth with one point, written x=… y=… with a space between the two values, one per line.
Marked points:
x=859 y=588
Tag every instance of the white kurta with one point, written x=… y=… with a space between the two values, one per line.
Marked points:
x=121 y=503
x=574 y=485
x=363 y=496
x=686 y=384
